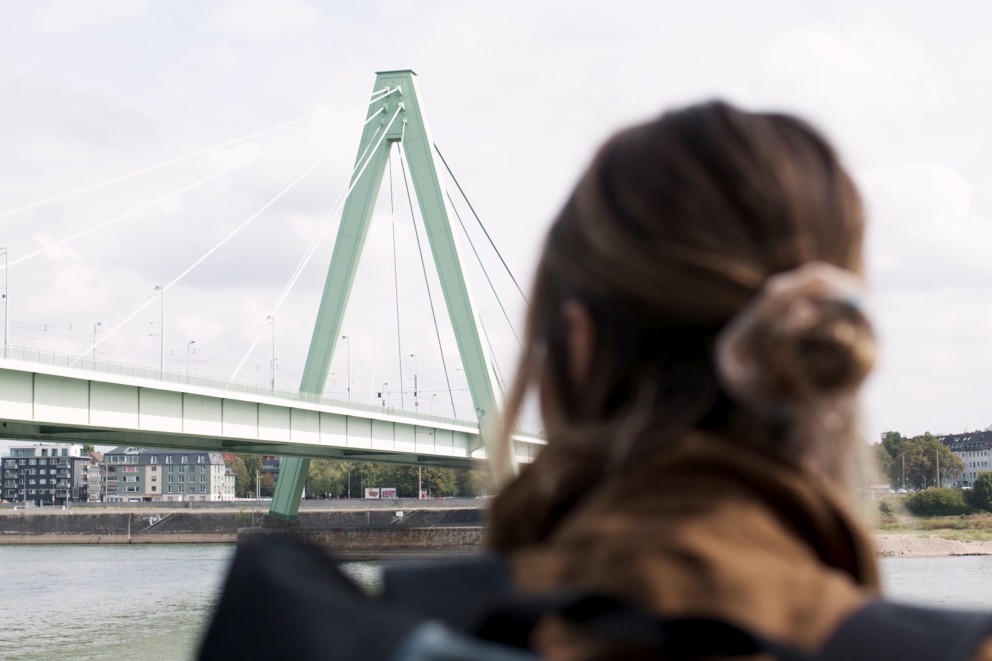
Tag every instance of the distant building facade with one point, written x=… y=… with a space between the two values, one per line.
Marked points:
x=156 y=474
x=44 y=474
x=93 y=474
x=975 y=451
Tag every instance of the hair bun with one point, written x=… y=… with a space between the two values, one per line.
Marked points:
x=803 y=338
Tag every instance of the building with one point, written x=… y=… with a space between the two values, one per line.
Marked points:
x=44 y=474
x=974 y=449
x=93 y=472
x=270 y=466
x=156 y=474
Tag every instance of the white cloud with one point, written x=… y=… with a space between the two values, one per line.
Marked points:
x=60 y=16
x=262 y=19
x=922 y=230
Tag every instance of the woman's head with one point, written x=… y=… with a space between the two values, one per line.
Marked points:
x=673 y=232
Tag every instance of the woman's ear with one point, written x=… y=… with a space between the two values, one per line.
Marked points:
x=580 y=334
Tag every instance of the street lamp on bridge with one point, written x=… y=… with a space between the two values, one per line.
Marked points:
x=347 y=339
x=96 y=325
x=416 y=401
x=189 y=347
x=161 y=327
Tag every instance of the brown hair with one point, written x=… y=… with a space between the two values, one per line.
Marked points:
x=671 y=232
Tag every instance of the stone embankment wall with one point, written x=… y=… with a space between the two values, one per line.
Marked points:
x=219 y=526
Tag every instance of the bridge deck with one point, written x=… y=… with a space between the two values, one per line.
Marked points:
x=54 y=397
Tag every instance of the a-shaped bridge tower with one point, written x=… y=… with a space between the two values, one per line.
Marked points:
x=394 y=116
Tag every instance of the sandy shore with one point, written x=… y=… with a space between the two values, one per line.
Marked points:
x=915 y=546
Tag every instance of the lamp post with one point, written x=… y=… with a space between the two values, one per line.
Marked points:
x=161 y=327
x=6 y=299
x=189 y=346
x=416 y=401
x=95 y=326
x=345 y=338
x=272 y=367
x=382 y=394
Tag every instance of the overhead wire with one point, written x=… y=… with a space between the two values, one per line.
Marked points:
x=483 y=267
x=206 y=255
x=153 y=203
x=478 y=220
x=376 y=96
x=396 y=280
x=360 y=166
x=423 y=267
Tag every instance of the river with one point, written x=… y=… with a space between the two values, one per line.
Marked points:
x=151 y=601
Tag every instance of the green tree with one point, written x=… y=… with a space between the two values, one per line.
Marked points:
x=237 y=465
x=87 y=448
x=916 y=464
x=440 y=482
x=365 y=475
x=980 y=495
x=253 y=470
x=326 y=477
x=245 y=467
x=883 y=459
x=472 y=482
x=268 y=486
x=892 y=442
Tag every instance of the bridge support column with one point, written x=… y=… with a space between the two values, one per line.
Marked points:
x=289 y=489
x=394 y=116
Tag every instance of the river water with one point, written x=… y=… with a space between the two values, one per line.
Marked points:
x=152 y=601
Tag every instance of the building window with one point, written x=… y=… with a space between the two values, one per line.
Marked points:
x=180 y=479
x=154 y=488
x=170 y=469
x=170 y=480
x=154 y=469
x=203 y=489
x=168 y=459
x=170 y=488
x=153 y=459
x=185 y=459
x=32 y=462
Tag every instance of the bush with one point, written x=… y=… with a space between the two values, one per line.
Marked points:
x=937 y=502
x=980 y=495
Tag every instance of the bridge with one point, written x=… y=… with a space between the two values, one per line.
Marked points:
x=52 y=396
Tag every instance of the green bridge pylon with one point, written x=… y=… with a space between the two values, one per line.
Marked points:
x=394 y=116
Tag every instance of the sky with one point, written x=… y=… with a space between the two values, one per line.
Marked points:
x=517 y=96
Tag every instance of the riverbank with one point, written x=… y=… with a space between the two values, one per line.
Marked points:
x=431 y=528
x=926 y=545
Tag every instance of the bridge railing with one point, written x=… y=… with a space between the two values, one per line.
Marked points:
x=54 y=359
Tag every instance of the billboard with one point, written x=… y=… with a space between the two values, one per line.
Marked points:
x=387 y=492
x=372 y=493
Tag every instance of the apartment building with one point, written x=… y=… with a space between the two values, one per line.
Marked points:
x=157 y=474
x=44 y=474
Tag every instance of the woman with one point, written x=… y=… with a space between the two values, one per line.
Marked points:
x=696 y=339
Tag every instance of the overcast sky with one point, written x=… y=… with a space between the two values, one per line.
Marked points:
x=517 y=95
